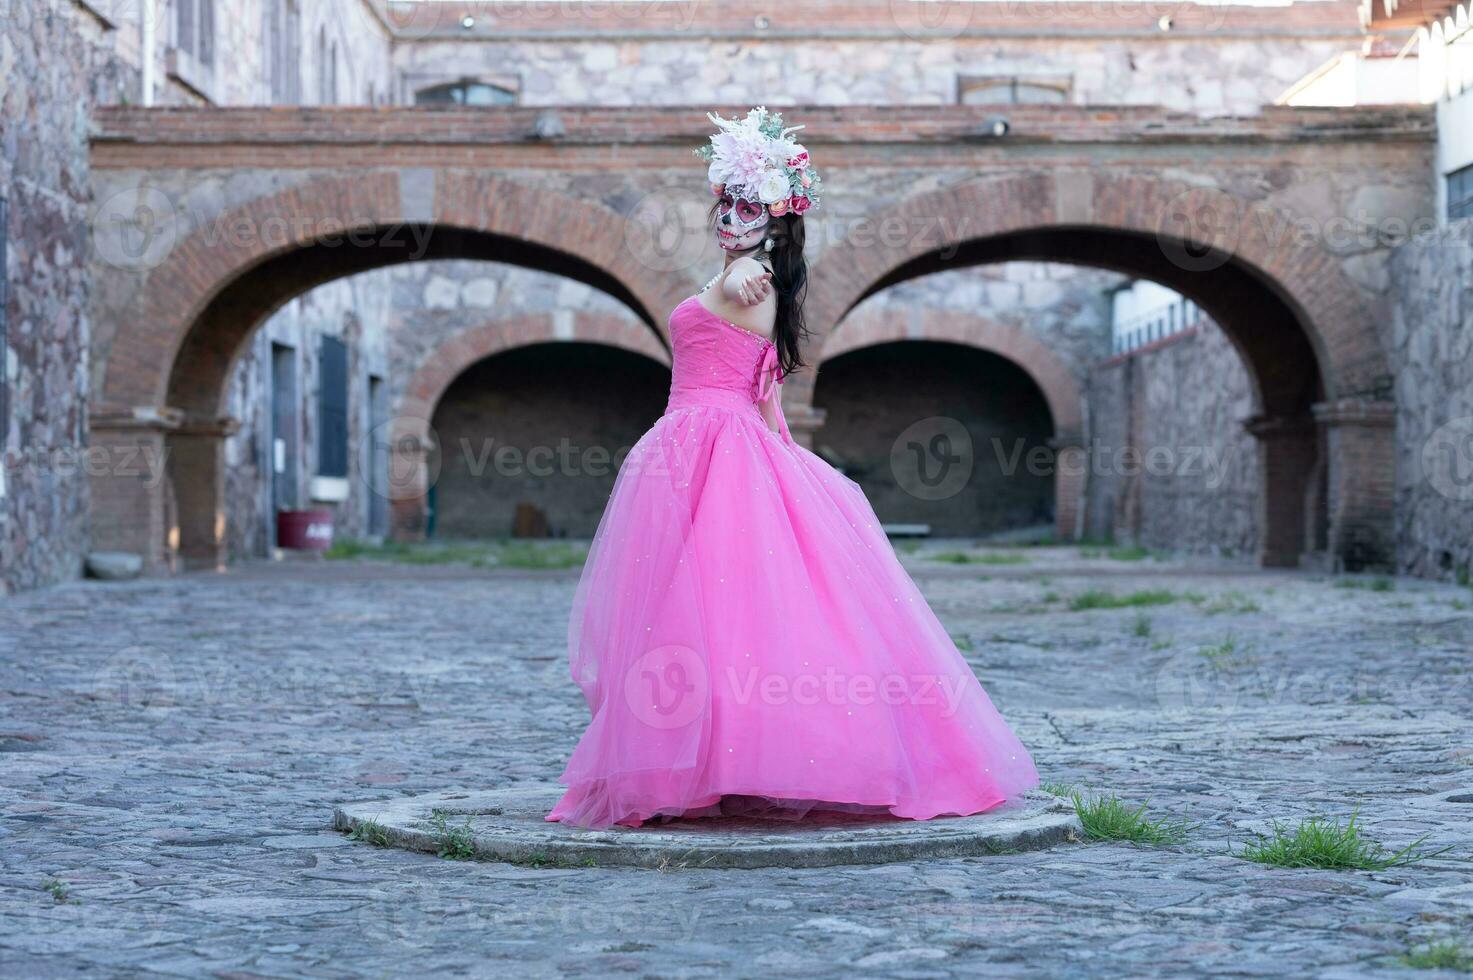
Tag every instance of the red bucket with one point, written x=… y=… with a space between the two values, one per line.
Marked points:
x=304 y=530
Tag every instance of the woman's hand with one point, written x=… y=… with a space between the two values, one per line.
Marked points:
x=754 y=289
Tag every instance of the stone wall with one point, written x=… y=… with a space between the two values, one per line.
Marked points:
x=55 y=66
x=1205 y=74
x=1172 y=467
x=1432 y=352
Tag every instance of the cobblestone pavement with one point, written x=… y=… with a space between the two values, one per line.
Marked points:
x=170 y=751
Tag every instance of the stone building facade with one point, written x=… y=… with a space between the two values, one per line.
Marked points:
x=856 y=53
x=1432 y=346
x=402 y=325
x=56 y=67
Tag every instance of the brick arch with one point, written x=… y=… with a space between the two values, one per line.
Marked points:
x=411 y=437
x=1302 y=326
x=867 y=327
x=1128 y=224
x=448 y=361
x=219 y=283
x=163 y=376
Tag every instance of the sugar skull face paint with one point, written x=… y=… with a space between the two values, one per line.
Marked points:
x=740 y=223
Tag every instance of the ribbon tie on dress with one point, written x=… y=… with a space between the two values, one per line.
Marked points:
x=765 y=388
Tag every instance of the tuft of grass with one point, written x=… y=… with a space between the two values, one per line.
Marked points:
x=980 y=558
x=1057 y=788
x=1110 y=818
x=371 y=832
x=1330 y=846
x=526 y=554
x=541 y=859
x=59 y=891
x=1448 y=954
x=1230 y=602
x=456 y=843
x=1142 y=627
x=1132 y=552
x=1128 y=553
x=1099 y=599
x=1220 y=653
x=508 y=553
x=1370 y=584
x=963 y=641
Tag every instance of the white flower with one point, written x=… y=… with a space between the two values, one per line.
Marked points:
x=781 y=151
x=774 y=187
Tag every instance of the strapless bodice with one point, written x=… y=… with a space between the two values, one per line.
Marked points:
x=717 y=364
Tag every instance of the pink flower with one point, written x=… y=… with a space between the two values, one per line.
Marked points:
x=805 y=178
x=798 y=160
x=778 y=208
x=718 y=189
x=799 y=204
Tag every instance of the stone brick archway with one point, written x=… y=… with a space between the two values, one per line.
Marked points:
x=1067 y=183
x=163 y=373
x=411 y=437
x=1301 y=325
x=865 y=328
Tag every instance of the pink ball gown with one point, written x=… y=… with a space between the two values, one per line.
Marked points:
x=745 y=637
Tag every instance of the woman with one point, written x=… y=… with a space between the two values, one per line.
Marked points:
x=743 y=633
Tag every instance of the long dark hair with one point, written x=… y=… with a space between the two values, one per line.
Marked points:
x=789 y=281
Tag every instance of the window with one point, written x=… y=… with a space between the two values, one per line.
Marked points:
x=194 y=29
x=1460 y=193
x=1012 y=90
x=284 y=51
x=190 y=58
x=332 y=409
x=467 y=91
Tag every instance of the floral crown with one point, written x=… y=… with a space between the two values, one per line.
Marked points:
x=755 y=159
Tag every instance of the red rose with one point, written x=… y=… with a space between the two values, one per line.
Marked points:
x=799 y=203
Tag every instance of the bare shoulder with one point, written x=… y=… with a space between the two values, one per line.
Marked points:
x=743 y=267
x=739 y=272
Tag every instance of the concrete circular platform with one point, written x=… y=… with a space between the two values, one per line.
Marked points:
x=507 y=825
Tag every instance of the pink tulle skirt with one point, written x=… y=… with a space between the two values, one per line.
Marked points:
x=747 y=641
